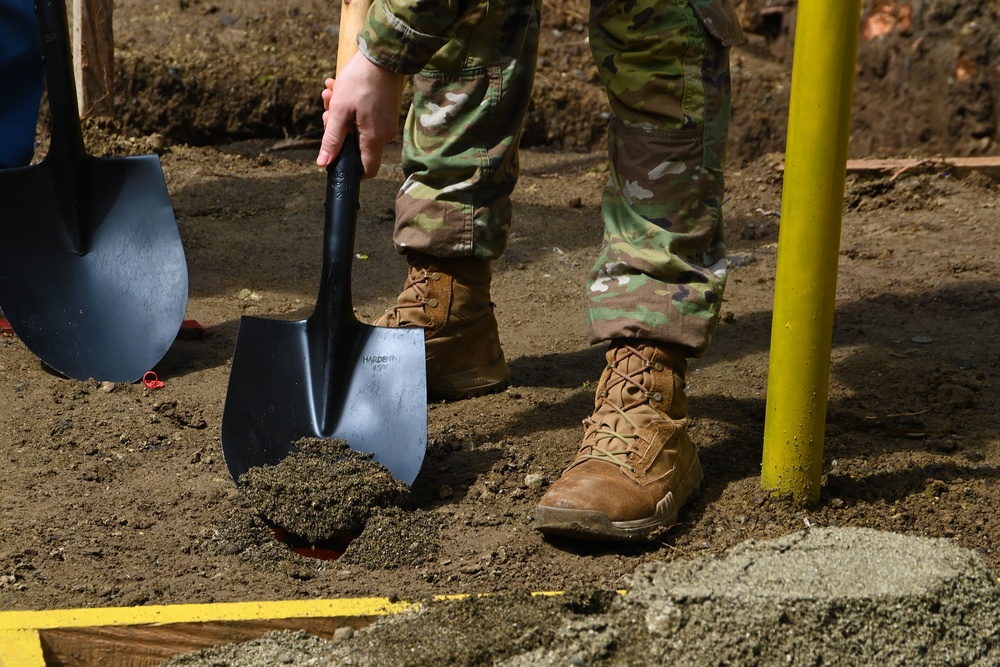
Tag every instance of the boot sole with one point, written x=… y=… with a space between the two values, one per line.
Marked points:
x=479 y=381
x=592 y=525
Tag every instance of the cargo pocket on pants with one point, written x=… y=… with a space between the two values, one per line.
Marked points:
x=719 y=20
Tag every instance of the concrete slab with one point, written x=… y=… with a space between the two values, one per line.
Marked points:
x=826 y=596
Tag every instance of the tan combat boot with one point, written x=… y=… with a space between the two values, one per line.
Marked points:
x=450 y=300
x=637 y=466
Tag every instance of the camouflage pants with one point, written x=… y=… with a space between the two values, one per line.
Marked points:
x=662 y=268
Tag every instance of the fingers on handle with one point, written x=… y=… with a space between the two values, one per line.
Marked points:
x=327 y=93
x=371 y=155
x=333 y=139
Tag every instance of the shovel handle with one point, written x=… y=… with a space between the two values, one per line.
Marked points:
x=352 y=18
x=343 y=180
x=66 y=150
x=53 y=29
x=343 y=177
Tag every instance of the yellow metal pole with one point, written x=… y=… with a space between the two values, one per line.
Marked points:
x=823 y=69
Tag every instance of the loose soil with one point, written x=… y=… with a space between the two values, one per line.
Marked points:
x=322 y=491
x=117 y=495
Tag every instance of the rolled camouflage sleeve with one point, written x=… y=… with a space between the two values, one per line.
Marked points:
x=403 y=35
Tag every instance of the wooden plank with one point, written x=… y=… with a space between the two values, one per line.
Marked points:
x=146 y=636
x=194 y=613
x=95 y=636
x=898 y=166
x=94 y=56
x=150 y=645
x=989 y=162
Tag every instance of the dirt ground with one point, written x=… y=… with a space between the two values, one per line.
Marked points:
x=118 y=495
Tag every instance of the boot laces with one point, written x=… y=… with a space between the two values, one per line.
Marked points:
x=415 y=295
x=613 y=424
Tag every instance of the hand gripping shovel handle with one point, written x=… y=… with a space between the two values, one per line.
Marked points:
x=343 y=177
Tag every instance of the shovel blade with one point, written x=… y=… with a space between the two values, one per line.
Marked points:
x=282 y=387
x=97 y=287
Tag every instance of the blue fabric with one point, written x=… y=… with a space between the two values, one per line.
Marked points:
x=21 y=81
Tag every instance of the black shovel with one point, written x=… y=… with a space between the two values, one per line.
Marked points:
x=328 y=376
x=93 y=277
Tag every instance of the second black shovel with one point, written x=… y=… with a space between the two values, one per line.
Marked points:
x=93 y=277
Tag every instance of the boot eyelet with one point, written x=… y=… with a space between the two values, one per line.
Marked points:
x=658 y=366
x=657 y=396
x=433 y=303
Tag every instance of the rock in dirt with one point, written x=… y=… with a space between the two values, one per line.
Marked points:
x=323 y=490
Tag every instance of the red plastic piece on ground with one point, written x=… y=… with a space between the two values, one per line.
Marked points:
x=5 y=328
x=151 y=381
x=191 y=330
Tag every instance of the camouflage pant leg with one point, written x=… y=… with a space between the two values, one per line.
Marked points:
x=461 y=135
x=662 y=267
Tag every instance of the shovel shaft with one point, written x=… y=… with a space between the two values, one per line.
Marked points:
x=352 y=18
x=343 y=179
x=66 y=151
x=343 y=187
x=54 y=31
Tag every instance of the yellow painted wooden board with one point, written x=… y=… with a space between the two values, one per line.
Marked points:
x=187 y=613
x=145 y=636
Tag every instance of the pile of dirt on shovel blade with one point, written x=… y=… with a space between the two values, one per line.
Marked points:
x=323 y=490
